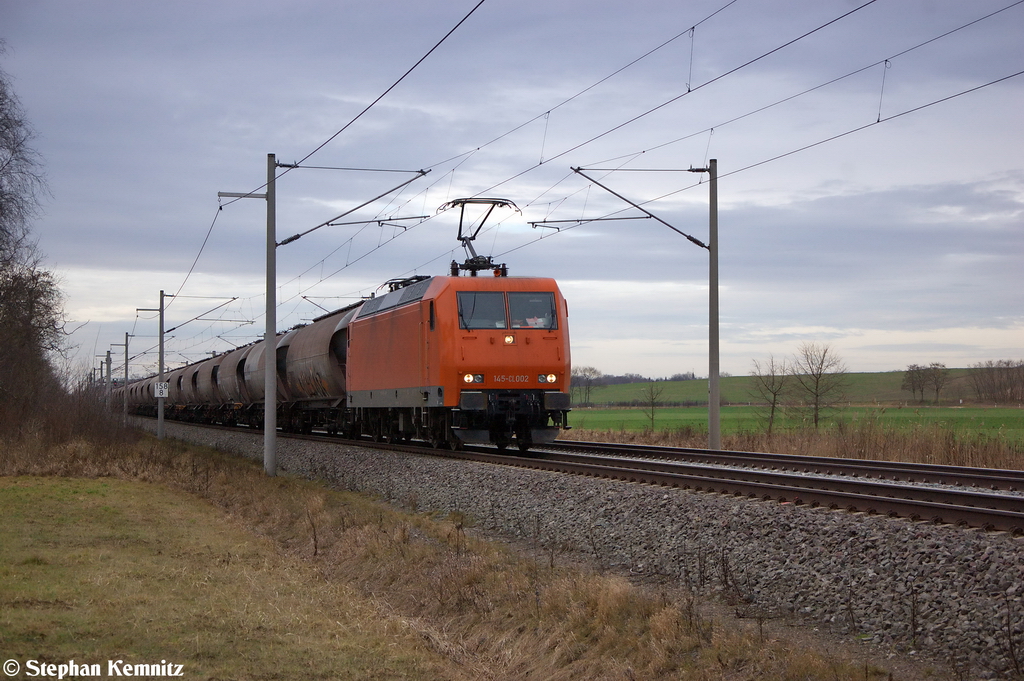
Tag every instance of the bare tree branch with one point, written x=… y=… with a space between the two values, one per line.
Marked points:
x=820 y=378
x=770 y=383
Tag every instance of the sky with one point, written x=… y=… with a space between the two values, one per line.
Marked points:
x=870 y=161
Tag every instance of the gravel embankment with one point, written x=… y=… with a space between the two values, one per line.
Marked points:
x=951 y=593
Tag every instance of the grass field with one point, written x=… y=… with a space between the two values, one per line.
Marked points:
x=881 y=388
x=103 y=570
x=1002 y=422
x=159 y=552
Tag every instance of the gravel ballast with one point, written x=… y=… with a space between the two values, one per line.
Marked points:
x=951 y=593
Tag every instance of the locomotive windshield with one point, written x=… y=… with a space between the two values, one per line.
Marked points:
x=482 y=310
x=532 y=310
x=487 y=310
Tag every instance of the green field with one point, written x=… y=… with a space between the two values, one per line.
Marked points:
x=1007 y=422
x=864 y=388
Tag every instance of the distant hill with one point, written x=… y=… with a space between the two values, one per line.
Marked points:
x=864 y=388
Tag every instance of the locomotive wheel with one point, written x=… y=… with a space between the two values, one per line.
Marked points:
x=438 y=438
x=523 y=439
x=440 y=432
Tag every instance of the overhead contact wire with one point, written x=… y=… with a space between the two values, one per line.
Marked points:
x=374 y=102
x=790 y=153
x=689 y=91
x=592 y=86
x=811 y=89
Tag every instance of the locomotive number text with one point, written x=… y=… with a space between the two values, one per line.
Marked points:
x=506 y=378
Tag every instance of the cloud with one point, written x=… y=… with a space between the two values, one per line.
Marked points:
x=904 y=235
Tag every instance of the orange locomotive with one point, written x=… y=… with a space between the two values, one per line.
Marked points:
x=478 y=358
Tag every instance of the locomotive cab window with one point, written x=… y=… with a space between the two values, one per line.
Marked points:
x=532 y=310
x=482 y=310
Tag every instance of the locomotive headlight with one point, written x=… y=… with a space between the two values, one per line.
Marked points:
x=473 y=378
x=510 y=339
x=552 y=378
x=547 y=378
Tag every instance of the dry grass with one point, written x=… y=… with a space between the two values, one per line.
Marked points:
x=863 y=439
x=487 y=611
x=105 y=569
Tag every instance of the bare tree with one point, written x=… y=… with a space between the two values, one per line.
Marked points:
x=583 y=379
x=915 y=379
x=769 y=383
x=999 y=381
x=31 y=303
x=938 y=376
x=819 y=378
x=21 y=179
x=649 y=396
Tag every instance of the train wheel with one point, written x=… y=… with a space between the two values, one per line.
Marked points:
x=440 y=430
x=438 y=437
x=523 y=439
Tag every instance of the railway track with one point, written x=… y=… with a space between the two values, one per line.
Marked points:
x=969 y=497
x=825 y=487
x=981 y=478
x=889 y=489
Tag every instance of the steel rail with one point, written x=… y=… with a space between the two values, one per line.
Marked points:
x=955 y=507
x=990 y=478
x=821 y=482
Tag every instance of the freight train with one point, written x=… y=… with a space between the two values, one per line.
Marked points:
x=445 y=359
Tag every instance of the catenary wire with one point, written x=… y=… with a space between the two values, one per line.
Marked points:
x=343 y=128
x=589 y=87
x=635 y=118
x=585 y=90
x=807 y=146
x=791 y=152
x=375 y=101
x=650 y=111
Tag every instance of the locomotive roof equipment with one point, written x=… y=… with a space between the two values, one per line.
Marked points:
x=474 y=263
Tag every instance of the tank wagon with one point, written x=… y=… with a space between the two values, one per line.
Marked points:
x=446 y=359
